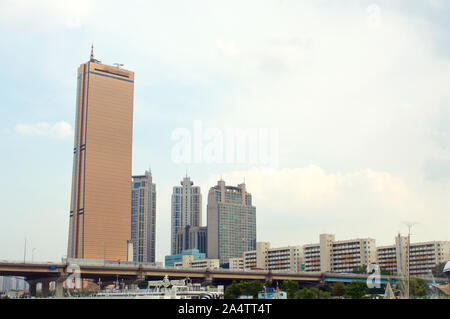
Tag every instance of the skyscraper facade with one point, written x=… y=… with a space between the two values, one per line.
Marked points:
x=100 y=206
x=231 y=222
x=186 y=209
x=192 y=237
x=143 y=218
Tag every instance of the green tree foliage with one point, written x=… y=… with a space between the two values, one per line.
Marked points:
x=355 y=290
x=418 y=287
x=251 y=288
x=291 y=288
x=338 y=289
x=306 y=293
x=248 y=288
x=327 y=287
x=232 y=291
x=268 y=283
x=324 y=294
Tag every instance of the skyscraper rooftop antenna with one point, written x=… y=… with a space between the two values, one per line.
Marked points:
x=92 y=53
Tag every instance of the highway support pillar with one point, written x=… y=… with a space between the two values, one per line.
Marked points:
x=45 y=288
x=32 y=289
x=59 y=288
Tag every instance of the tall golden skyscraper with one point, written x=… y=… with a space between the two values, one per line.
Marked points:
x=100 y=223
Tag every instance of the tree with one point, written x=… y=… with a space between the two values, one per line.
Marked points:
x=291 y=288
x=251 y=288
x=306 y=293
x=232 y=291
x=316 y=292
x=248 y=288
x=355 y=290
x=324 y=294
x=338 y=289
x=418 y=287
x=268 y=283
x=326 y=287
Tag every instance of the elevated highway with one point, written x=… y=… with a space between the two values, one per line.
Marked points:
x=132 y=273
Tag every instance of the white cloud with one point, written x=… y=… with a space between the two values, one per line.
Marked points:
x=59 y=130
x=295 y=205
x=45 y=14
x=227 y=48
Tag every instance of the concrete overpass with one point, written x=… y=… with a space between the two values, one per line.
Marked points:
x=132 y=273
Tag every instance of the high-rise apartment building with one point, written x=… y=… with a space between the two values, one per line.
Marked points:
x=236 y=263
x=423 y=256
x=231 y=222
x=256 y=259
x=393 y=258
x=186 y=210
x=287 y=258
x=354 y=253
x=100 y=206
x=143 y=217
x=339 y=256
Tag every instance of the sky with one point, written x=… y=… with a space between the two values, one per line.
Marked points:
x=348 y=100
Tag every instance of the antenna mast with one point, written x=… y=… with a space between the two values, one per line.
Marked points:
x=92 y=53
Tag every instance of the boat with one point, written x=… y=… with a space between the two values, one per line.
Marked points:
x=164 y=289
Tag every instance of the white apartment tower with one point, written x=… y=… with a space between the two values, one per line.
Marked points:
x=423 y=256
x=342 y=256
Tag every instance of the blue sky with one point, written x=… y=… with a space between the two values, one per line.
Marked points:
x=358 y=91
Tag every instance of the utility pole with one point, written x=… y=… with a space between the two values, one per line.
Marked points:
x=408 y=256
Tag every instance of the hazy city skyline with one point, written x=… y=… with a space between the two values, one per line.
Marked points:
x=358 y=93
